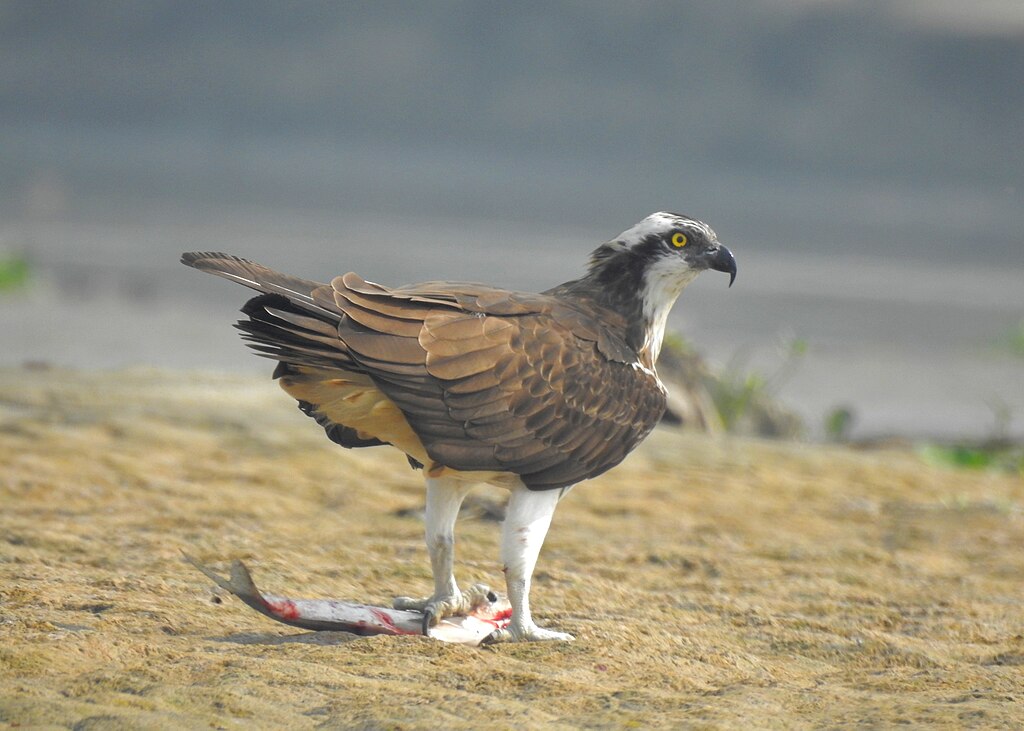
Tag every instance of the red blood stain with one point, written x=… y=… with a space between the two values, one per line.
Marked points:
x=284 y=608
x=498 y=619
x=504 y=614
x=381 y=616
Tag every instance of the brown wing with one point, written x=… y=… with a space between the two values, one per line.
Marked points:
x=501 y=381
x=487 y=379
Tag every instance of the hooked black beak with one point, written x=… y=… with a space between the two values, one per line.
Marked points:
x=724 y=261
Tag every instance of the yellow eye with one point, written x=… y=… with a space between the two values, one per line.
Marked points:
x=678 y=240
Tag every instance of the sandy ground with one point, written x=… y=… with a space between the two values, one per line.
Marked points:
x=710 y=583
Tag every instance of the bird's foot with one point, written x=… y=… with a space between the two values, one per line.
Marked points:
x=436 y=608
x=527 y=633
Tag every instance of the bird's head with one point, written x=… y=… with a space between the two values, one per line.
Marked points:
x=643 y=270
x=667 y=246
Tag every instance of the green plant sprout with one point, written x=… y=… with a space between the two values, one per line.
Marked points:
x=14 y=271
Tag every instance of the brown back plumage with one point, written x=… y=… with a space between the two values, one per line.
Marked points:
x=488 y=380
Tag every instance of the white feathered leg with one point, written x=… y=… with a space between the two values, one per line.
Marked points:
x=526 y=524
x=444 y=498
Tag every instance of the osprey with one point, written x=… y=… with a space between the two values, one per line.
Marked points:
x=531 y=392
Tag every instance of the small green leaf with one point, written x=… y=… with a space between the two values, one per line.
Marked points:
x=14 y=271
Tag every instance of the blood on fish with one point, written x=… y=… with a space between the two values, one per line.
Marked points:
x=498 y=619
x=349 y=617
x=283 y=608
x=382 y=617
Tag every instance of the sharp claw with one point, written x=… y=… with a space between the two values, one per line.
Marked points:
x=498 y=635
x=435 y=608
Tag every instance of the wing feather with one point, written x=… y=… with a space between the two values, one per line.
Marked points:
x=476 y=399
x=467 y=454
x=498 y=408
x=468 y=363
x=518 y=460
x=382 y=322
x=473 y=384
x=486 y=378
x=381 y=346
x=385 y=306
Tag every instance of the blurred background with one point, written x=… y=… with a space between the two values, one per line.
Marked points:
x=863 y=159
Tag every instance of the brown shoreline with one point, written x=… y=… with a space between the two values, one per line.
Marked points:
x=711 y=582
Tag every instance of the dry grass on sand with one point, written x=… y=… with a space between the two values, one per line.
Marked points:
x=710 y=583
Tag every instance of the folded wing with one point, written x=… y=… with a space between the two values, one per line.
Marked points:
x=488 y=380
x=501 y=381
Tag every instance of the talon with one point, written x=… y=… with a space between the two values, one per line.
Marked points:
x=436 y=608
x=498 y=635
x=477 y=595
x=407 y=602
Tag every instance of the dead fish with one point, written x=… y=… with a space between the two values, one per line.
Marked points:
x=336 y=615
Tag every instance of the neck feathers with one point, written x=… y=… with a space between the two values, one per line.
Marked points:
x=640 y=290
x=661 y=290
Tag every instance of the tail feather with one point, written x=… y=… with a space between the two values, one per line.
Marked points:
x=278 y=329
x=284 y=322
x=309 y=324
x=256 y=276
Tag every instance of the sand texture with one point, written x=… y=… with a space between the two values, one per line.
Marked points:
x=711 y=582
